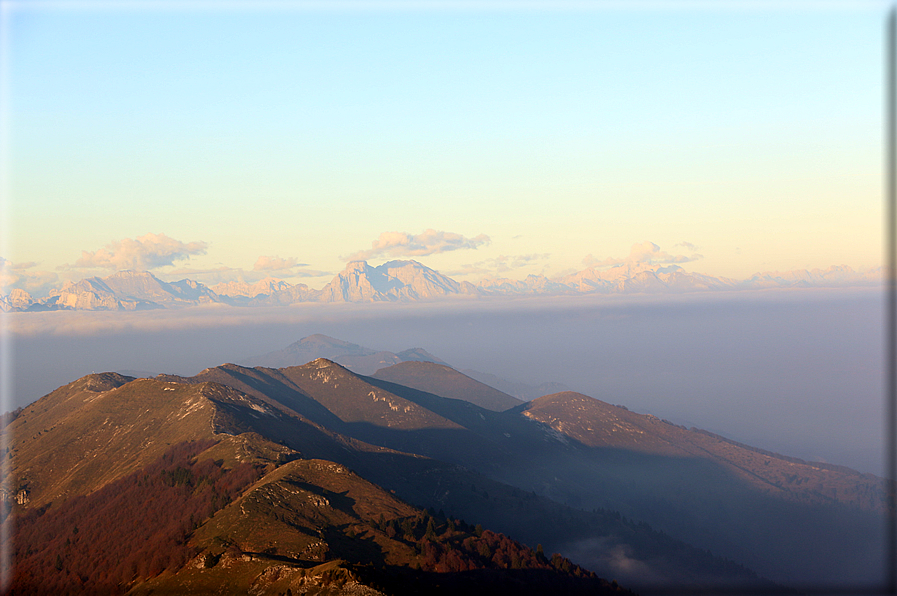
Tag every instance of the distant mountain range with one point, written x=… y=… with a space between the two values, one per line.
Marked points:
x=408 y=281
x=314 y=479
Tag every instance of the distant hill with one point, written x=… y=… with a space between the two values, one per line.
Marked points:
x=356 y=358
x=447 y=382
x=310 y=348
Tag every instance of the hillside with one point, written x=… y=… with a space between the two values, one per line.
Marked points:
x=521 y=391
x=101 y=427
x=234 y=525
x=446 y=382
x=600 y=425
x=805 y=523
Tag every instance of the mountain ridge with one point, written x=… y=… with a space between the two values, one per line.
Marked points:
x=302 y=513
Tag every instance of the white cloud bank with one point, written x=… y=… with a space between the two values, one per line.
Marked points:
x=265 y=263
x=22 y=276
x=286 y=267
x=500 y=264
x=428 y=242
x=143 y=253
x=647 y=253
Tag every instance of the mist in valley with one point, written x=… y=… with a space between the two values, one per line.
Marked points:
x=797 y=372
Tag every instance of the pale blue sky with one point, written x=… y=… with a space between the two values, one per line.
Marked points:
x=752 y=132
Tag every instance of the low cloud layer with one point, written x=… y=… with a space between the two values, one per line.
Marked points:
x=143 y=253
x=260 y=270
x=428 y=242
x=265 y=263
x=646 y=253
x=285 y=267
x=500 y=264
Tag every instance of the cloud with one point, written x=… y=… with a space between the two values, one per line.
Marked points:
x=205 y=276
x=146 y=252
x=428 y=242
x=18 y=276
x=225 y=274
x=500 y=264
x=644 y=252
x=17 y=266
x=276 y=264
x=687 y=245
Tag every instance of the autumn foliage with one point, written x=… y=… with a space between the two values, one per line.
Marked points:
x=452 y=557
x=446 y=545
x=131 y=529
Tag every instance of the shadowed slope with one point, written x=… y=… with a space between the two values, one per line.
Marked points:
x=808 y=524
x=597 y=424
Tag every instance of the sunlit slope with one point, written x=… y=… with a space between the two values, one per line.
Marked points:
x=290 y=512
x=101 y=427
x=447 y=382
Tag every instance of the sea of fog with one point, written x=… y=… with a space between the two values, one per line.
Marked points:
x=799 y=372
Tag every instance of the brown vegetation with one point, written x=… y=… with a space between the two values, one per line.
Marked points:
x=131 y=529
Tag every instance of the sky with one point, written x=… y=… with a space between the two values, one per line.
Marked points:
x=223 y=141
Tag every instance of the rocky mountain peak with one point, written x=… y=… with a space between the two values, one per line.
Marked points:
x=356 y=266
x=562 y=398
x=323 y=363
